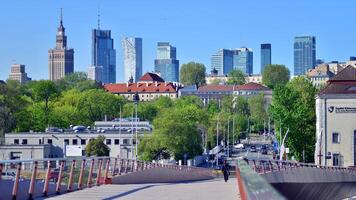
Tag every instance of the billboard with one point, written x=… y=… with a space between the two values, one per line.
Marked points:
x=74 y=150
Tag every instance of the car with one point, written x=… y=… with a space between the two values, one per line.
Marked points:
x=239 y=146
x=264 y=150
x=8 y=175
x=253 y=148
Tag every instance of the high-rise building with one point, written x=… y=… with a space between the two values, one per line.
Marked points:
x=266 y=56
x=95 y=73
x=61 y=58
x=304 y=54
x=132 y=58
x=222 y=61
x=166 y=63
x=18 y=73
x=243 y=60
x=104 y=54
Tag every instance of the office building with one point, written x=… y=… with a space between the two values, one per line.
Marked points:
x=18 y=73
x=61 y=58
x=320 y=75
x=132 y=58
x=95 y=73
x=166 y=63
x=243 y=60
x=304 y=54
x=104 y=54
x=266 y=56
x=335 y=121
x=222 y=61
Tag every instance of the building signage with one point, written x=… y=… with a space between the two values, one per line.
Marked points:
x=345 y=109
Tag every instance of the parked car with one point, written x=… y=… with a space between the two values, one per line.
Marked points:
x=253 y=148
x=239 y=146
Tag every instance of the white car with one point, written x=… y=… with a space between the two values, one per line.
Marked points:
x=239 y=146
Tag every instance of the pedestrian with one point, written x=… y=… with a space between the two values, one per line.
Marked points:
x=225 y=170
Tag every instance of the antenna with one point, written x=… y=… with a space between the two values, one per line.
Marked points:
x=98 y=17
x=61 y=19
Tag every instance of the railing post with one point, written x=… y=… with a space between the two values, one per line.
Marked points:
x=70 y=180
x=271 y=164
x=125 y=165
x=81 y=174
x=99 y=172
x=107 y=170
x=114 y=170
x=61 y=168
x=1 y=167
x=48 y=174
x=90 y=177
x=120 y=165
x=33 y=180
x=16 y=182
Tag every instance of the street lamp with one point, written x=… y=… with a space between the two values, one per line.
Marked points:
x=136 y=99
x=217 y=139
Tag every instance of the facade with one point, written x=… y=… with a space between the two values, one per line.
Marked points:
x=18 y=73
x=304 y=54
x=254 y=78
x=132 y=58
x=166 y=63
x=335 y=66
x=104 y=54
x=95 y=73
x=55 y=144
x=61 y=58
x=222 y=61
x=149 y=87
x=335 y=120
x=266 y=56
x=243 y=60
x=320 y=75
x=124 y=125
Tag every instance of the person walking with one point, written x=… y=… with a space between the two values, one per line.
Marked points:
x=226 y=171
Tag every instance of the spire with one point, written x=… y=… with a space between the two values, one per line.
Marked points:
x=61 y=19
x=98 y=17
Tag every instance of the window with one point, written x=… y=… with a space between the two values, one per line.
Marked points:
x=108 y=141
x=336 y=159
x=126 y=141
x=74 y=141
x=66 y=141
x=83 y=141
x=39 y=141
x=24 y=141
x=49 y=141
x=116 y=141
x=336 y=138
x=16 y=141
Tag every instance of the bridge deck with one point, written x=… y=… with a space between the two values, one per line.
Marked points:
x=210 y=189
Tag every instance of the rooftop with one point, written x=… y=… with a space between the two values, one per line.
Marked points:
x=156 y=87
x=342 y=83
x=151 y=77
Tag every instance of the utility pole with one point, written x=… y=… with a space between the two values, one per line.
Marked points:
x=228 y=137
x=233 y=131
x=120 y=134
x=217 y=139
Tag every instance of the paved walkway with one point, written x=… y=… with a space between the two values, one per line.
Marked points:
x=210 y=189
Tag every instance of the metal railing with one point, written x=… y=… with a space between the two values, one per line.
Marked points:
x=59 y=175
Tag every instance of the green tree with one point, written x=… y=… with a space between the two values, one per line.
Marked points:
x=236 y=77
x=192 y=73
x=97 y=147
x=258 y=111
x=275 y=75
x=293 y=107
x=76 y=80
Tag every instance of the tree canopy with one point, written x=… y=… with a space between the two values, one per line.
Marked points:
x=236 y=77
x=192 y=73
x=97 y=147
x=275 y=75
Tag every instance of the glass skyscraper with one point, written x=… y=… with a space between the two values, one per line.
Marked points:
x=132 y=58
x=104 y=54
x=222 y=61
x=243 y=60
x=166 y=63
x=304 y=54
x=266 y=54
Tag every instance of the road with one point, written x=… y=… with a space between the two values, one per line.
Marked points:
x=207 y=190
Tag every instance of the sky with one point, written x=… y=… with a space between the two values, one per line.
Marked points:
x=197 y=28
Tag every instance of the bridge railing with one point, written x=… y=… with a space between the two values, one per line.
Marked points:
x=263 y=166
x=252 y=186
x=57 y=175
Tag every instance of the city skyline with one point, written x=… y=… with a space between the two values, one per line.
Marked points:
x=182 y=31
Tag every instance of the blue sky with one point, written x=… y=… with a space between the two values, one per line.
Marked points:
x=198 y=28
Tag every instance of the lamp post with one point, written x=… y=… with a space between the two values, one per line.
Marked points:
x=217 y=139
x=136 y=99
x=120 y=134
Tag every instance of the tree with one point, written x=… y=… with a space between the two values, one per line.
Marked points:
x=236 y=77
x=258 y=111
x=275 y=75
x=97 y=147
x=192 y=73
x=76 y=80
x=293 y=107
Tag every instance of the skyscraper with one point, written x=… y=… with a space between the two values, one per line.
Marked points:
x=18 y=73
x=266 y=54
x=243 y=60
x=61 y=58
x=304 y=54
x=104 y=54
x=222 y=61
x=166 y=63
x=132 y=58
x=95 y=73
